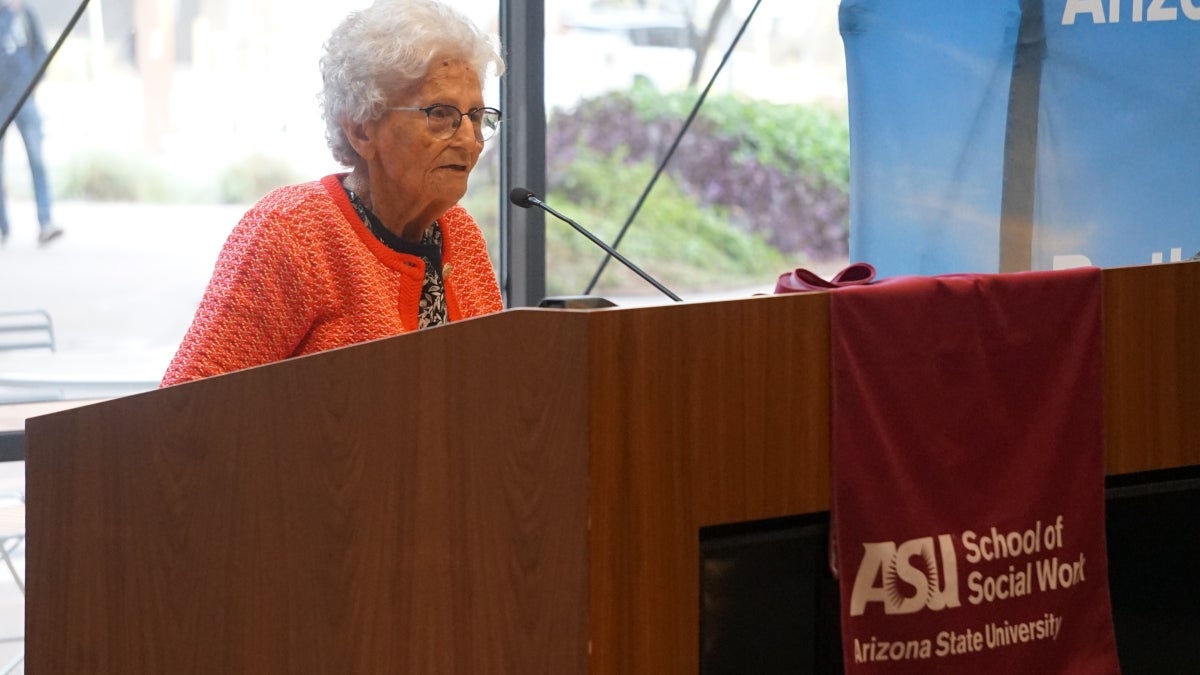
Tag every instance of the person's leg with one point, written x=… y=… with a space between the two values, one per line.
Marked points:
x=29 y=123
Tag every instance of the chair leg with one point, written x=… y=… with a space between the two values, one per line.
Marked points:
x=13 y=664
x=5 y=552
x=6 y=548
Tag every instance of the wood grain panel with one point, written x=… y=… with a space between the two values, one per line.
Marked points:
x=352 y=512
x=701 y=414
x=1152 y=367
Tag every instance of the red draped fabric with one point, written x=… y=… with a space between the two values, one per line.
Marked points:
x=968 y=478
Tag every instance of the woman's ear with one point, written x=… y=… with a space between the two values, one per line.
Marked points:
x=361 y=136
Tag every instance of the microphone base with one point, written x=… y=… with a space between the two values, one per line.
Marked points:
x=575 y=302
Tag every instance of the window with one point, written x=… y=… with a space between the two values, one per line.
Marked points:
x=164 y=121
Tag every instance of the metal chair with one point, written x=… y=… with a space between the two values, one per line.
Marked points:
x=27 y=329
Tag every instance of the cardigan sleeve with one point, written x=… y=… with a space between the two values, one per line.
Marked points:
x=257 y=307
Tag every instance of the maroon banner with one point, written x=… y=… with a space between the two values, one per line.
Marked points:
x=968 y=474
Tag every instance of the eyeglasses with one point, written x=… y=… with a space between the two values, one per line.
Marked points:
x=444 y=120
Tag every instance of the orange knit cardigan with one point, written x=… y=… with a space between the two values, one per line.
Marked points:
x=301 y=273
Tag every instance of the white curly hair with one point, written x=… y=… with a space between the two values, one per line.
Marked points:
x=390 y=47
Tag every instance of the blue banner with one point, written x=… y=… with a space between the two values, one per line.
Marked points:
x=1022 y=134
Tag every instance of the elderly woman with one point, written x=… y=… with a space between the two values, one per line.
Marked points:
x=385 y=248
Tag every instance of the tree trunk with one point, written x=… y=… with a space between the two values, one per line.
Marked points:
x=704 y=41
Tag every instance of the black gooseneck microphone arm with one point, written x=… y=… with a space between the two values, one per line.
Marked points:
x=671 y=151
x=525 y=198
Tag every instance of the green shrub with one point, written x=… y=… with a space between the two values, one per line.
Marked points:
x=779 y=171
x=684 y=244
x=108 y=176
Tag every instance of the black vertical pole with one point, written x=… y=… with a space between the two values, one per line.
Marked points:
x=523 y=151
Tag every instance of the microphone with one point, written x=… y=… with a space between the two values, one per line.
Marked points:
x=525 y=199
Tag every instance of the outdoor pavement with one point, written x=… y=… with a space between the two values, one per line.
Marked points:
x=121 y=286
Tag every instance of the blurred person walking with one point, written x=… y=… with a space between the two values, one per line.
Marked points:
x=22 y=51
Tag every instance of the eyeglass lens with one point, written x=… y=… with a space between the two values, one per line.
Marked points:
x=444 y=120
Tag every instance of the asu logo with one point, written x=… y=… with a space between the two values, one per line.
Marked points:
x=905 y=578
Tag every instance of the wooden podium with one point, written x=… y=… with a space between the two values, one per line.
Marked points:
x=519 y=493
